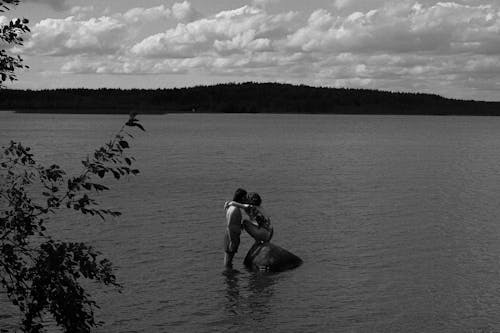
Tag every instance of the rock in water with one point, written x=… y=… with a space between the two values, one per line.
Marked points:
x=270 y=257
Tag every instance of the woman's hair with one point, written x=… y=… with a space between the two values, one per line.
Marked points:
x=255 y=214
x=240 y=195
x=254 y=199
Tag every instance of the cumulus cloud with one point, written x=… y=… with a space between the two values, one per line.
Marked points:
x=120 y=65
x=234 y=31
x=349 y=6
x=413 y=45
x=402 y=27
x=184 y=12
x=81 y=10
x=136 y=15
x=58 y=37
x=340 y=4
x=397 y=27
x=104 y=35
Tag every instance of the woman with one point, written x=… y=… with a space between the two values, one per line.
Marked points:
x=259 y=225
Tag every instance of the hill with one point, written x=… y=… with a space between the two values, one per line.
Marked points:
x=240 y=98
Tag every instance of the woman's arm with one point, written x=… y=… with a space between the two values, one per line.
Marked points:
x=236 y=204
x=262 y=218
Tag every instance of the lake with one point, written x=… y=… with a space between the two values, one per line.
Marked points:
x=395 y=217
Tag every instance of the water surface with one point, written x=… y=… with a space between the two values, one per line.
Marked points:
x=396 y=219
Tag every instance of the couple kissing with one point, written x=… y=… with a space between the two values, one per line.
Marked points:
x=244 y=212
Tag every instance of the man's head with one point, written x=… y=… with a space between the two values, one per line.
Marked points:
x=240 y=195
x=254 y=199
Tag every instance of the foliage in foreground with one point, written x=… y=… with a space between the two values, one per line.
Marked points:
x=42 y=275
x=11 y=34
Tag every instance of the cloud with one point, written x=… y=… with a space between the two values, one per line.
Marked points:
x=67 y=36
x=136 y=15
x=349 y=6
x=82 y=12
x=184 y=12
x=402 y=27
x=340 y=4
x=235 y=31
x=410 y=45
x=397 y=27
x=106 y=35
x=120 y=65
x=227 y=65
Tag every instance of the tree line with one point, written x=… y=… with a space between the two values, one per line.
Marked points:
x=246 y=97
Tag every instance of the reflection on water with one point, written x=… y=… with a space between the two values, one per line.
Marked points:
x=249 y=294
x=232 y=304
x=261 y=290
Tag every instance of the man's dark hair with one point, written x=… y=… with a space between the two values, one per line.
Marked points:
x=254 y=199
x=240 y=195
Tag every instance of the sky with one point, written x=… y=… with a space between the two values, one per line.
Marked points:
x=450 y=48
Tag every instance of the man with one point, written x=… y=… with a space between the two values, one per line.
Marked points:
x=233 y=229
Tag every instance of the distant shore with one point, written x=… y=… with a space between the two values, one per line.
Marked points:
x=161 y=112
x=239 y=98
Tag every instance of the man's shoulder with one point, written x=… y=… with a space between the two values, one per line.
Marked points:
x=233 y=215
x=233 y=211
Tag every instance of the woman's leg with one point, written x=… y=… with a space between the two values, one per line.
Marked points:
x=259 y=234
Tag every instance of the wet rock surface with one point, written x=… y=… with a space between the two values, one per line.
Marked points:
x=270 y=257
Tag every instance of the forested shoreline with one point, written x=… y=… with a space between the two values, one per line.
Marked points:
x=240 y=98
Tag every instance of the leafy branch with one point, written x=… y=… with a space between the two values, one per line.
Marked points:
x=11 y=34
x=41 y=274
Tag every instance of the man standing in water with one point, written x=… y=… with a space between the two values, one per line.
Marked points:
x=233 y=229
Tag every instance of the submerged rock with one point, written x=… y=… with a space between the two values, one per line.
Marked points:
x=270 y=257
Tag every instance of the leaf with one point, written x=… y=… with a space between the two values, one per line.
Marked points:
x=116 y=174
x=99 y=187
x=123 y=144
